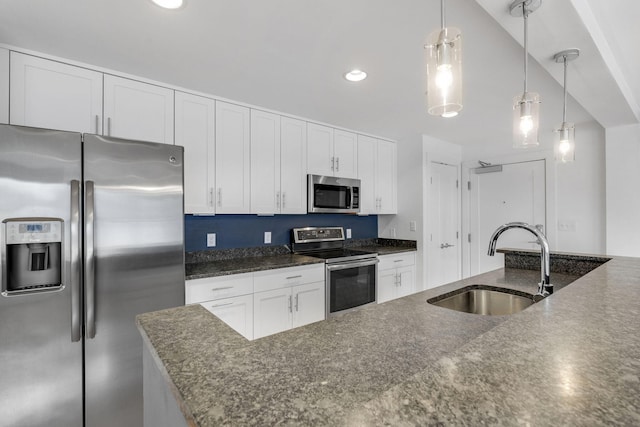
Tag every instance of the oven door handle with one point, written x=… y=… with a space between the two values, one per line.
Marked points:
x=352 y=264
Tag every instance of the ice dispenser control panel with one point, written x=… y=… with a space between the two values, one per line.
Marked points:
x=20 y=232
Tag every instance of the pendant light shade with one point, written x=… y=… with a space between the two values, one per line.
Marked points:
x=526 y=107
x=565 y=145
x=444 y=70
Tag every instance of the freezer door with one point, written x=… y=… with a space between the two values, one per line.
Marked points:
x=40 y=360
x=134 y=263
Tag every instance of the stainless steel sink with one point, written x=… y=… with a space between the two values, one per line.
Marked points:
x=481 y=299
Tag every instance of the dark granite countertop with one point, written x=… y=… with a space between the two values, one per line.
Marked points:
x=222 y=263
x=570 y=359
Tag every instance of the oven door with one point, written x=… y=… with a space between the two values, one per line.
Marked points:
x=351 y=285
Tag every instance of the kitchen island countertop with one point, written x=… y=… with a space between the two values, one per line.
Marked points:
x=568 y=360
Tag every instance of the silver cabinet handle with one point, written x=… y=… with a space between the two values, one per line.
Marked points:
x=297 y=302
x=290 y=310
x=277 y=199
x=221 y=289
x=333 y=162
x=337 y=164
x=219 y=196
x=108 y=126
x=446 y=245
x=221 y=305
x=211 y=197
x=76 y=241
x=398 y=260
x=89 y=260
x=97 y=126
x=283 y=194
x=294 y=277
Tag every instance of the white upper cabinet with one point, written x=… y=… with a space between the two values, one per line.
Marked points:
x=293 y=166
x=367 y=151
x=345 y=153
x=386 y=177
x=195 y=131
x=377 y=170
x=232 y=159
x=4 y=86
x=54 y=95
x=136 y=110
x=331 y=152
x=265 y=163
x=320 y=159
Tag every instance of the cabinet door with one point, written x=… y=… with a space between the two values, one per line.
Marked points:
x=272 y=312
x=136 y=110
x=195 y=131
x=387 y=285
x=53 y=95
x=308 y=303
x=232 y=159
x=367 y=147
x=4 y=86
x=265 y=163
x=320 y=159
x=386 y=177
x=406 y=281
x=293 y=166
x=345 y=151
x=236 y=312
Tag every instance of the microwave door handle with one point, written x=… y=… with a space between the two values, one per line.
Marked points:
x=349 y=197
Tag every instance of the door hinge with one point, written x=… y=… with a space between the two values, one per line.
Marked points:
x=469 y=237
x=457 y=235
x=456 y=183
x=469 y=185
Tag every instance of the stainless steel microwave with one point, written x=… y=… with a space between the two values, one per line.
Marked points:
x=330 y=194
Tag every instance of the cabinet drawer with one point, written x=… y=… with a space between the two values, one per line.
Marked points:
x=287 y=277
x=214 y=288
x=396 y=260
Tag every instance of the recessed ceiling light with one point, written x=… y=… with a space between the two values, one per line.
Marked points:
x=169 y=4
x=355 y=75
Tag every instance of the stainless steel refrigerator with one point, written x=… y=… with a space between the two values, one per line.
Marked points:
x=91 y=235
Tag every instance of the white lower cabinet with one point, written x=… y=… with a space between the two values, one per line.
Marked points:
x=265 y=302
x=396 y=276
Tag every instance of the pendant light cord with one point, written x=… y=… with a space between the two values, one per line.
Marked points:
x=564 y=110
x=525 y=14
x=442 y=14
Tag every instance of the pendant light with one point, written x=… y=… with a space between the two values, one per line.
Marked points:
x=444 y=70
x=565 y=146
x=526 y=107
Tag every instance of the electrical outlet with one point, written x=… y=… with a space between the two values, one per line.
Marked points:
x=267 y=237
x=412 y=226
x=211 y=240
x=567 y=225
x=348 y=233
x=392 y=233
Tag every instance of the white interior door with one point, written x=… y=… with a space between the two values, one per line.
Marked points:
x=444 y=247
x=517 y=193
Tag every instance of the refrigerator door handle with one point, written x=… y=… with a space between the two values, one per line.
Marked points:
x=89 y=261
x=76 y=242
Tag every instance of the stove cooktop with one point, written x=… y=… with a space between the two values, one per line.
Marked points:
x=342 y=254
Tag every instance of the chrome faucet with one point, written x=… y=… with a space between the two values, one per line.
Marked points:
x=544 y=287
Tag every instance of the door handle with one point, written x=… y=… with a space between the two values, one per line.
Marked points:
x=283 y=194
x=333 y=162
x=89 y=259
x=97 y=126
x=290 y=309
x=337 y=164
x=219 y=196
x=108 y=126
x=297 y=302
x=446 y=245
x=76 y=322
x=211 y=197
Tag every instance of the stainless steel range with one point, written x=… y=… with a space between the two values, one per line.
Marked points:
x=351 y=275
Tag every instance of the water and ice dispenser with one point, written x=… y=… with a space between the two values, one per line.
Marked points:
x=32 y=255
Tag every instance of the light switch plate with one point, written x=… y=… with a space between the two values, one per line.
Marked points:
x=267 y=237
x=348 y=233
x=211 y=240
x=412 y=226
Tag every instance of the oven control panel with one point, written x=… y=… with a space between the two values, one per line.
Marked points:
x=317 y=234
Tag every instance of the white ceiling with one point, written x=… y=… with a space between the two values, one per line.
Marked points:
x=290 y=55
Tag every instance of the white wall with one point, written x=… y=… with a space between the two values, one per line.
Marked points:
x=623 y=197
x=410 y=201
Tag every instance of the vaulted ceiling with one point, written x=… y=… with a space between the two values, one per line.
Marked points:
x=290 y=56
